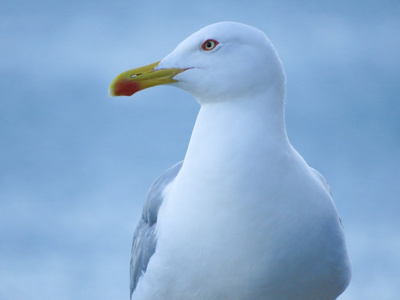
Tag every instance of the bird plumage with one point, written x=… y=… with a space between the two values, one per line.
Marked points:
x=243 y=216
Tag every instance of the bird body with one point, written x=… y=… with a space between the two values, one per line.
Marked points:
x=244 y=216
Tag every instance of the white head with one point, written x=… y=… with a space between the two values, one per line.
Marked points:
x=240 y=58
x=220 y=62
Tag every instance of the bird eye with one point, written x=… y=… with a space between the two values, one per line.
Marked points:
x=209 y=45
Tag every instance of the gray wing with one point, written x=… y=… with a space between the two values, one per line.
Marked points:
x=144 y=239
x=322 y=179
x=326 y=186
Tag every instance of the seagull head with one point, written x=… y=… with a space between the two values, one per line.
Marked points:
x=220 y=62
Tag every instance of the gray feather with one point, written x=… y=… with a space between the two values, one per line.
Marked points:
x=144 y=239
x=323 y=181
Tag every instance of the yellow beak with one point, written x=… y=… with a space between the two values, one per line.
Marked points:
x=132 y=81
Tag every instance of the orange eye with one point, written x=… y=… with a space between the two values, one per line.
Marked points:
x=209 y=45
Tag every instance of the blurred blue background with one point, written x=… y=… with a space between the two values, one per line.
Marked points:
x=75 y=165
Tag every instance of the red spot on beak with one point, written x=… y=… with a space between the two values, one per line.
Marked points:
x=126 y=88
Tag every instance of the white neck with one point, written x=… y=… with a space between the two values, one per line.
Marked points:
x=236 y=131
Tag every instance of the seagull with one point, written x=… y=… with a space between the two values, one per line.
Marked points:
x=243 y=216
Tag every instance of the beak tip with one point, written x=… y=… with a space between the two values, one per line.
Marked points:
x=111 y=92
x=123 y=88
